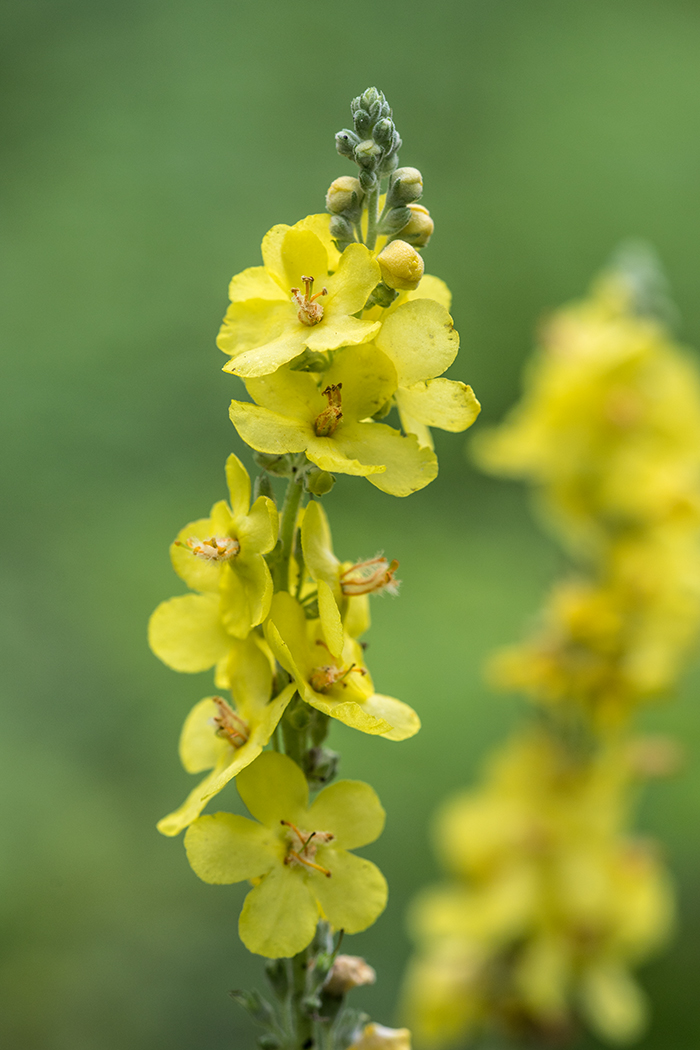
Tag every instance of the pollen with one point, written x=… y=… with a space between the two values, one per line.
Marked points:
x=229 y=725
x=216 y=548
x=309 y=311
x=370 y=577
x=302 y=846
x=326 y=422
x=325 y=676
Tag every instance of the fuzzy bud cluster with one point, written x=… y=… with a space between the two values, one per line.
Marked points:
x=373 y=142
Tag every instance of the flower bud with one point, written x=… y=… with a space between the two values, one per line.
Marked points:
x=319 y=482
x=394 y=221
x=406 y=186
x=383 y=133
x=363 y=122
x=401 y=266
x=377 y=1037
x=341 y=229
x=420 y=226
x=349 y=971
x=343 y=194
x=367 y=154
x=345 y=142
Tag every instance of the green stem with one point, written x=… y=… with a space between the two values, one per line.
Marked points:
x=290 y=509
x=304 y=1025
x=372 y=216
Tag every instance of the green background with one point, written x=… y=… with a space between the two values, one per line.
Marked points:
x=148 y=147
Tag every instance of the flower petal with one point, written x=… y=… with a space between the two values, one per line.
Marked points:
x=330 y=619
x=317 y=544
x=432 y=288
x=200 y=748
x=254 y=323
x=250 y=675
x=357 y=618
x=257 y=532
x=337 y=330
x=187 y=634
x=403 y=720
x=357 y=276
x=368 y=380
x=409 y=425
x=268 y=431
x=269 y=355
x=279 y=916
x=238 y=481
x=349 y=712
x=274 y=789
x=246 y=593
x=420 y=339
x=292 y=394
x=356 y=893
x=254 y=283
x=225 y=848
x=320 y=225
x=408 y=466
x=351 y=810
x=303 y=255
x=440 y=403
x=328 y=454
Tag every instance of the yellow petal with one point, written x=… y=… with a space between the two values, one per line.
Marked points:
x=246 y=593
x=225 y=848
x=355 y=279
x=320 y=225
x=349 y=712
x=200 y=748
x=357 y=617
x=257 y=532
x=238 y=481
x=368 y=380
x=254 y=283
x=291 y=394
x=356 y=893
x=274 y=788
x=615 y=1005
x=187 y=634
x=303 y=255
x=329 y=453
x=250 y=675
x=420 y=339
x=432 y=288
x=409 y=425
x=403 y=720
x=408 y=466
x=268 y=431
x=267 y=355
x=279 y=916
x=330 y=619
x=337 y=330
x=253 y=323
x=351 y=810
x=440 y=403
x=317 y=544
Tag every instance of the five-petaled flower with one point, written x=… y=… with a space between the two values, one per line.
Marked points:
x=297 y=856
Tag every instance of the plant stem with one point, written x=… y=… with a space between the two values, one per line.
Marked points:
x=288 y=523
x=372 y=215
x=304 y=1025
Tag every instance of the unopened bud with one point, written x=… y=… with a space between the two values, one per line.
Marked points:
x=377 y=1037
x=420 y=226
x=363 y=122
x=395 y=220
x=343 y=194
x=383 y=133
x=406 y=186
x=319 y=482
x=401 y=266
x=368 y=154
x=341 y=229
x=321 y=765
x=345 y=142
x=349 y=971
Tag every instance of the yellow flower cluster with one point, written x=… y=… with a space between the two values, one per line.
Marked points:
x=553 y=901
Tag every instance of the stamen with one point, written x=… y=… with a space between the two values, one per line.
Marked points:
x=305 y=851
x=371 y=576
x=236 y=734
x=308 y=863
x=217 y=548
x=326 y=422
x=309 y=311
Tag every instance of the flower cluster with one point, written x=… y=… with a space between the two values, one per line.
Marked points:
x=553 y=900
x=336 y=329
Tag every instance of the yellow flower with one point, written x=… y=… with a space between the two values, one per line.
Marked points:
x=327 y=417
x=221 y=557
x=297 y=856
x=294 y=302
x=338 y=686
x=226 y=740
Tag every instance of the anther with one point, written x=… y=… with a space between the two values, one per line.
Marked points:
x=216 y=548
x=326 y=422
x=375 y=575
x=229 y=724
x=309 y=311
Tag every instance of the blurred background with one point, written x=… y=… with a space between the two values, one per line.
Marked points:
x=149 y=144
